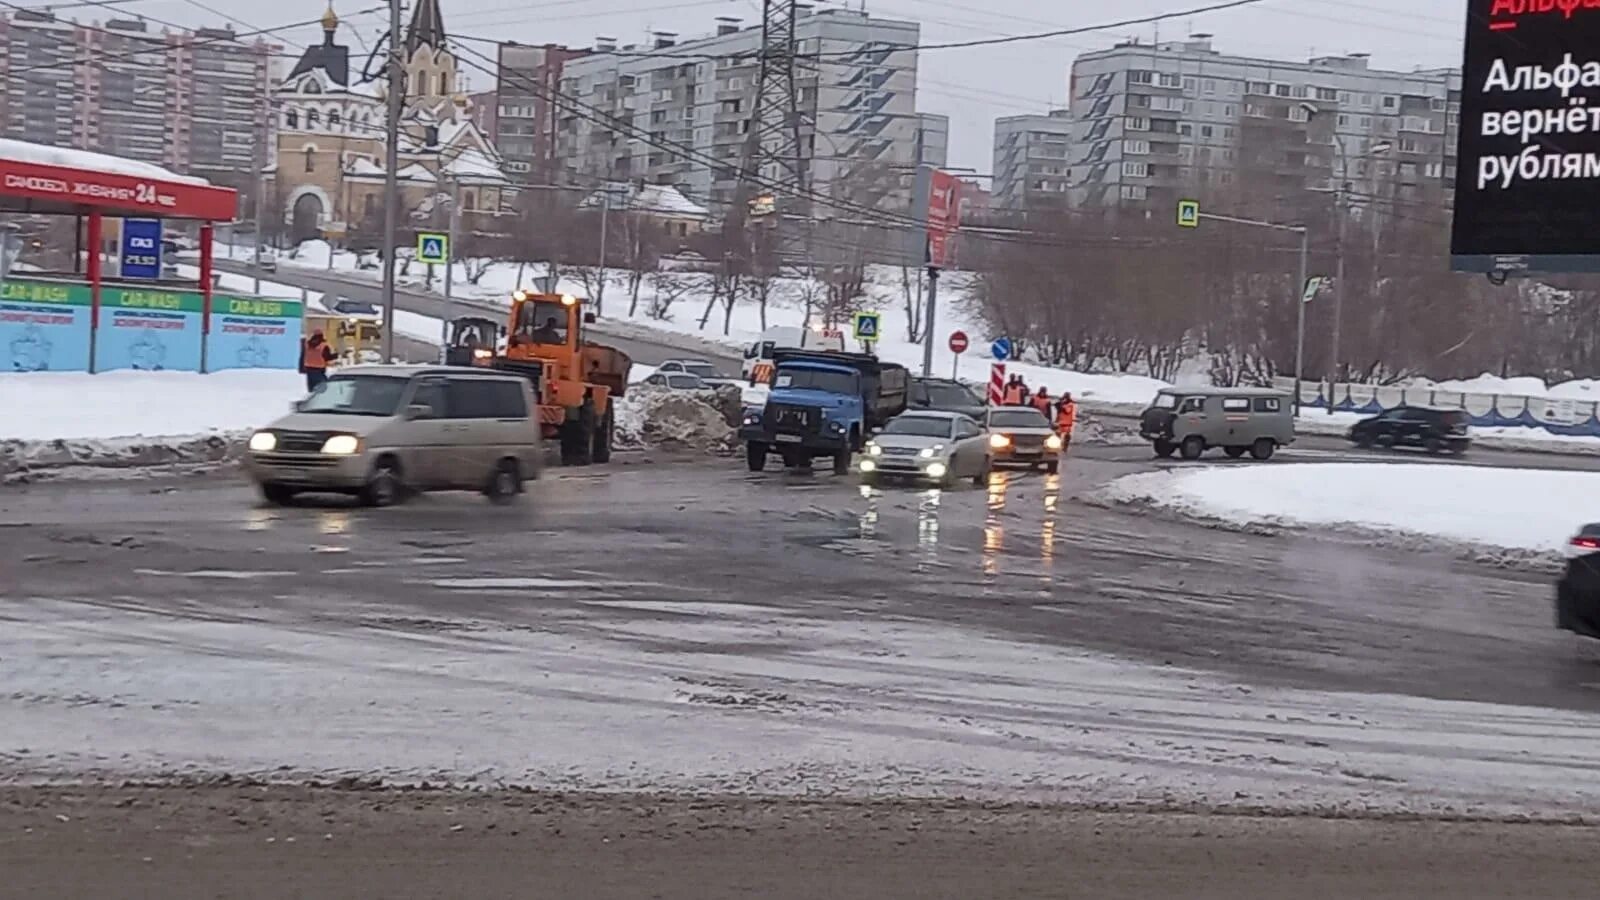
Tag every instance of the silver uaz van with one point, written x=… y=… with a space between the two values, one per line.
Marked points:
x=383 y=432
x=1191 y=421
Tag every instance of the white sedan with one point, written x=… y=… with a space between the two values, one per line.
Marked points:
x=941 y=447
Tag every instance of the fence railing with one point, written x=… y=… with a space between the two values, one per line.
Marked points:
x=1576 y=418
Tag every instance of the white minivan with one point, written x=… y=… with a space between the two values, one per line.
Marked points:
x=757 y=367
x=383 y=432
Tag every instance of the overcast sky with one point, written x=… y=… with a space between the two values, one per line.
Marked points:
x=972 y=85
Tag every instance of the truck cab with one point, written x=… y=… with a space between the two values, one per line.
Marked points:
x=822 y=403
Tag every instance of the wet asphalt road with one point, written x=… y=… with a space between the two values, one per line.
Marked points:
x=1021 y=556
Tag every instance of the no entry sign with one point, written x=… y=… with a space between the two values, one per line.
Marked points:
x=958 y=342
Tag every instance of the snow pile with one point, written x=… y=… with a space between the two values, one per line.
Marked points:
x=656 y=417
x=1525 y=510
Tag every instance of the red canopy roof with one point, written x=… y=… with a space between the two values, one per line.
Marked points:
x=109 y=184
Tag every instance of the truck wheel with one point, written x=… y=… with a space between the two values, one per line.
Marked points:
x=841 y=462
x=601 y=445
x=1263 y=449
x=1165 y=449
x=1193 y=447
x=755 y=456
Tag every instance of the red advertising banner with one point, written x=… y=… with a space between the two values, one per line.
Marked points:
x=944 y=215
x=116 y=193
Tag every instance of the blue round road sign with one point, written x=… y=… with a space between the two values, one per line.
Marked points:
x=1001 y=349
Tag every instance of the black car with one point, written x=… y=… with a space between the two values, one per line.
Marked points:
x=1434 y=430
x=946 y=395
x=1578 y=591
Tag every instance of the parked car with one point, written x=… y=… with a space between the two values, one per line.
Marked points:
x=1022 y=435
x=1435 y=430
x=1239 y=420
x=940 y=447
x=384 y=432
x=947 y=395
x=700 y=368
x=1578 y=590
x=344 y=306
x=676 y=381
x=269 y=260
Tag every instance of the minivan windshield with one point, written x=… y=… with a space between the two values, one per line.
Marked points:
x=356 y=395
x=816 y=379
x=1018 y=418
x=921 y=426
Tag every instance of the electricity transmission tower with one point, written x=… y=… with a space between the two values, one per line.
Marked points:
x=772 y=169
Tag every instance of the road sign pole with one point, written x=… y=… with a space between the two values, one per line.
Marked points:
x=997 y=383
x=928 y=323
x=955 y=367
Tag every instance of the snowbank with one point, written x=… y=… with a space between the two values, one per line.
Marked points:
x=1513 y=509
x=650 y=416
x=126 y=404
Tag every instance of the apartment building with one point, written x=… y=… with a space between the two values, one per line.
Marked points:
x=1030 y=166
x=933 y=140
x=1151 y=122
x=524 y=120
x=856 y=97
x=193 y=101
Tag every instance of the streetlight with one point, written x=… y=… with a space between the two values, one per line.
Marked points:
x=1341 y=203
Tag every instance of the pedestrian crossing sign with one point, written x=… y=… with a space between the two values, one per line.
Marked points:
x=433 y=248
x=866 y=324
x=1189 y=213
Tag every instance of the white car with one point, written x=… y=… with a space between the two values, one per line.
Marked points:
x=940 y=447
x=700 y=368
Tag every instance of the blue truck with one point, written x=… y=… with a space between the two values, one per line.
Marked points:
x=822 y=404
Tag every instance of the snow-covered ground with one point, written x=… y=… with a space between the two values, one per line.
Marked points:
x=76 y=405
x=1514 y=509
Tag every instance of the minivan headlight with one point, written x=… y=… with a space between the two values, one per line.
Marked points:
x=341 y=445
x=874 y=450
x=1053 y=442
x=263 y=441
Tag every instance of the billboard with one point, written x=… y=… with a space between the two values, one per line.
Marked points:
x=251 y=333
x=44 y=326
x=150 y=330
x=944 y=215
x=1527 y=192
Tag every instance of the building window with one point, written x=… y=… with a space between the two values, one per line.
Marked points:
x=311 y=162
x=1205 y=131
x=291 y=119
x=1169 y=80
x=1327 y=94
x=419 y=84
x=333 y=120
x=313 y=119
x=1139 y=101
x=1135 y=148
x=1137 y=123
x=1390 y=102
x=469 y=200
x=1133 y=169
x=444 y=84
x=1188 y=85
x=1281 y=90
x=1297 y=113
x=1134 y=192
x=1409 y=145
x=1141 y=77
x=1209 y=85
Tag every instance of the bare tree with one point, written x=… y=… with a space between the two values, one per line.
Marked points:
x=912 y=284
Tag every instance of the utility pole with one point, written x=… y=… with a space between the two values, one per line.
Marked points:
x=605 y=208
x=927 y=325
x=1340 y=199
x=261 y=200
x=391 y=182
x=1300 y=317
x=773 y=168
x=450 y=266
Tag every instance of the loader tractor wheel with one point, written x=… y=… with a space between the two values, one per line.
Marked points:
x=601 y=443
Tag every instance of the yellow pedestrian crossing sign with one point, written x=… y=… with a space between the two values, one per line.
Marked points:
x=433 y=248
x=866 y=324
x=1189 y=213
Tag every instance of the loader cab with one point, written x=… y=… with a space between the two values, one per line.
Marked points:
x=473 y=341
x=540 y=323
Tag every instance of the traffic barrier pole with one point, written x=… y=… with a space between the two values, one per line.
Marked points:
x=997 y=383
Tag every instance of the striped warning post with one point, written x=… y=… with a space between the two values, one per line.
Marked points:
x=997 y=384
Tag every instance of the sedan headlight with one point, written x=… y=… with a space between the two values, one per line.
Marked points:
x=931 y=452
x=341 y=445
x=874 y=450
x=263 y=441
x=1053 y=442
x=999 y=440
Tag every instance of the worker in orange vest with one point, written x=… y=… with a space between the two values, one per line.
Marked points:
x=1016 y=393
x=1041 y=401
x=1066 y=417
x=315 y=356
